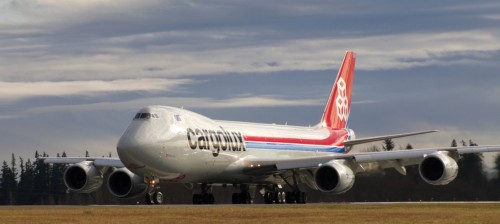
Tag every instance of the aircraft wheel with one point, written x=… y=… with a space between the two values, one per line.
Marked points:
x=301 y=197
x=208 y=199
x=158 y=198
x=211 y=199
x=148 y=199
x=268 y=198
x=277 y=198
x=246 y=198
x=290 y=197
x=236 y=198
x=197 y=199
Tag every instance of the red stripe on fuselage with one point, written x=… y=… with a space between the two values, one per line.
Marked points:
x=336 y=138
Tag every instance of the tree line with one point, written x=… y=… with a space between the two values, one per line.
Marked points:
x=27 y=182
x=35 y=182
x=471 y=184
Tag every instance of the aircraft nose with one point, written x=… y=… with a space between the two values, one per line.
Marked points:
x=129 y=143
x=131 y=146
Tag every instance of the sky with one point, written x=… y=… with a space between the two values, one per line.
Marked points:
x=74 y=73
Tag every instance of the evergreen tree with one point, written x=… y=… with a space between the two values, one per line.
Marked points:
x=57 y=186
x=471 y=167
x=26 y=190
x=4 y=186
x=13 y=167
x=464 y=144
x=408 y=146
x=41 y=178
x=497 y=167
x=388 y=145
x=454 y=143
x=19 y=184
x=8 y=185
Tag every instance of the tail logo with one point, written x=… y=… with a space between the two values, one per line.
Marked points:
x=342 y=101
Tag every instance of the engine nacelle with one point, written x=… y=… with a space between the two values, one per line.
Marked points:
x=334 y=177
x=83 y=177
x=125 y=184
x=438 y=169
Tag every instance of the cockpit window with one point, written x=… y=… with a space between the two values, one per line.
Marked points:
x=146 y=116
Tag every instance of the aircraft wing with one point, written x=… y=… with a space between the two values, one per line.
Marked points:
x=395 y=159
x=379 y=138
x=98 y=161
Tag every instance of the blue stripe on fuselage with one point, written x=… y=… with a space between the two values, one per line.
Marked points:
x=294 y=147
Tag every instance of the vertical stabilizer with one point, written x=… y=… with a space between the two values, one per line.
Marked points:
x=336 y=114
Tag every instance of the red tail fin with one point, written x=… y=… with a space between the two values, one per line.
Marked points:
x=337 y=109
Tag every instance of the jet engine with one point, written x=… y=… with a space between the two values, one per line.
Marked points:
x=83 y=177
x=438 y=169
x=334 y=177
x=124 y=184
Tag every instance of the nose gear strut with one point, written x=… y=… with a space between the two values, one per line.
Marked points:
x=153 y=194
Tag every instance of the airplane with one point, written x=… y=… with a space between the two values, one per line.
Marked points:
x=179 y=146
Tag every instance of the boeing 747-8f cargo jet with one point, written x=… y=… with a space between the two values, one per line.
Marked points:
x=176 y=145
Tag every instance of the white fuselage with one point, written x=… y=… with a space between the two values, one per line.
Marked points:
x=181 y=146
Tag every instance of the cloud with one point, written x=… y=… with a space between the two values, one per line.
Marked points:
x=185 y=102
x=15 y=91
x=112 y=62
x=98 y=54
x=95 y=40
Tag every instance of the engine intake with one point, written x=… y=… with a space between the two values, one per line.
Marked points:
x=125 y=184
x=334 y=177
x=438 y=169
x=83 y=177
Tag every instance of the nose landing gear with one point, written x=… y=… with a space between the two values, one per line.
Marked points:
x=153 y=195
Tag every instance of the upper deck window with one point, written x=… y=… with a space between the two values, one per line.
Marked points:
x=146 y=116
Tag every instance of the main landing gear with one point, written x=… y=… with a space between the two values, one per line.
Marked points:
x=206 y=196
x=289 y=197
x=274 y=195
x=243 y=197
x=153 y=194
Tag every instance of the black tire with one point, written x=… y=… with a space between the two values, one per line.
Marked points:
x=289 y=197
x=268 y=198
x=148 y=199
x=158 y=198
x=246 y=198
x=208 y=199
x=211 y=199
x=303 y=198
x=236 y=198
x=197 y=199
x=277 y=198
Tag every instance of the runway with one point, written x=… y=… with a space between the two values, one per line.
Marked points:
x=257 y=205
x=383 y=212
x=299 y=205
